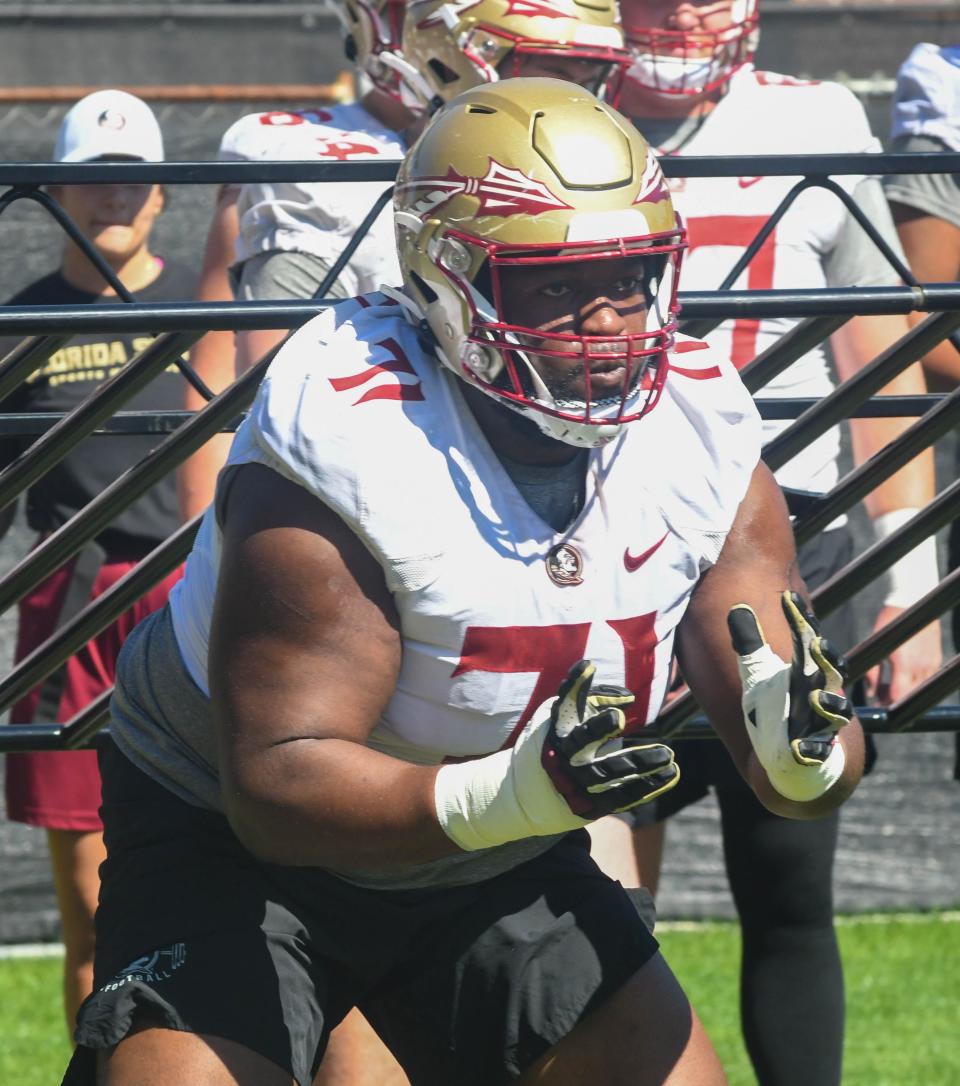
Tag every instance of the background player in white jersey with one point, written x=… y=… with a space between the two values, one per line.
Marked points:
x=280 y=240
x=355 y=756
x=693 y=91
x=926 y=207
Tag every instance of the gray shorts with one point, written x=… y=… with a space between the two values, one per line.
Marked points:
x=467 y=985
x=936 y=194
x=280 y=275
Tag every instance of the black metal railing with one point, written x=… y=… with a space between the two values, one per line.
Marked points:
x=821 y=313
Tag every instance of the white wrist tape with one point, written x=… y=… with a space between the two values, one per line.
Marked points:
x=916 y=573
x=503 y=797
x=766 y=708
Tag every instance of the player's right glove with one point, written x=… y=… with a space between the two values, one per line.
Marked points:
x=568 y=767
x=794 y=710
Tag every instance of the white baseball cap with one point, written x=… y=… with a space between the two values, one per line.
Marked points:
x=109 y=122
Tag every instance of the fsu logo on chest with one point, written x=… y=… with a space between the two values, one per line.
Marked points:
x=564 y=565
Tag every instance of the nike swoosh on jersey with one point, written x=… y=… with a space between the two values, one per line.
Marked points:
x=746 y=182
x=634 y=561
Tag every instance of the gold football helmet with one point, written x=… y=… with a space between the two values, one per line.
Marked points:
x=452 y=45
x=536 y=172
x=677 y=63
x=372 y=30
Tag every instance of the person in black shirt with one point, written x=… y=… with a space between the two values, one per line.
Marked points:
x=61 y=791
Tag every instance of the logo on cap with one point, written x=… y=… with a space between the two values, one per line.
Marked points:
x=112 y=118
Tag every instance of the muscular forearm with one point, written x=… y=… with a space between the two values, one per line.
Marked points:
x=941 y=365
x=856 y=345
x=752 y=656
x=932 y=248
x=213 y=358
x=336 y=804
x=913 y=484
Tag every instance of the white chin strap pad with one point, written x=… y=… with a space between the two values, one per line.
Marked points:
x=672 y=75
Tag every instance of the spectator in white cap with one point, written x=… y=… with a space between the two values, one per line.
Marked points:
x=105 y=126
x=61 y=791
x=109 y=124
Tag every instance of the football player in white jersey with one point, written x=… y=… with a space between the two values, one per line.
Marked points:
x=458 y=537
x=281 y=239
x=693 y=91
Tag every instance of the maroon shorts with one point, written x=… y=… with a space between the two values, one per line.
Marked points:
x=60 y=790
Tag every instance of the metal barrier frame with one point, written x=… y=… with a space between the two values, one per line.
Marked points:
x=180 y=325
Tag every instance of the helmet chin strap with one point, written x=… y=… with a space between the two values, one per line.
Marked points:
x=670 y=76
x=583 y=435
x=415 y=92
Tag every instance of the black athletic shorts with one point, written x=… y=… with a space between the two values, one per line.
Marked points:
x=705 y=763
x=467 y=985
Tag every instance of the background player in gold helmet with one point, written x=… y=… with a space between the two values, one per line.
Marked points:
x=278 y=241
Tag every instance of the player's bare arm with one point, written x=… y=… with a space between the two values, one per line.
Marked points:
x=932 y=247
x=757 y=565
x=304 y=656
x=894 y=501
x=212 y=356
x=855 y=345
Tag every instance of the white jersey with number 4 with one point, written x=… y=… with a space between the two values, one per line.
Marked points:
x=494 y=605
x=317 y=217
x=767 y=114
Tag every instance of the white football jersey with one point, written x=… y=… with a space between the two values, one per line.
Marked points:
x=927 y=99
x=317 y=217
x=494 y=605
x=767 y=114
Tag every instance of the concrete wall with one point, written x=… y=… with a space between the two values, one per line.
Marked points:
x=51 y=44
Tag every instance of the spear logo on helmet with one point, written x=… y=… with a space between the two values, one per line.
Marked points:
x=538 y=7
x=501 y=191
x=653 y=186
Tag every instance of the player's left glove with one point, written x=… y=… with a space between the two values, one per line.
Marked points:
x=568 y=767
x=794 y=710
x=585 y=757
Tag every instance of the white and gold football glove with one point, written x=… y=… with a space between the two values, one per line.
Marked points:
x=793 y=710
x=569 y=767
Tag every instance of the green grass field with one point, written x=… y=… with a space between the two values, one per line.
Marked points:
x=903 y=995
